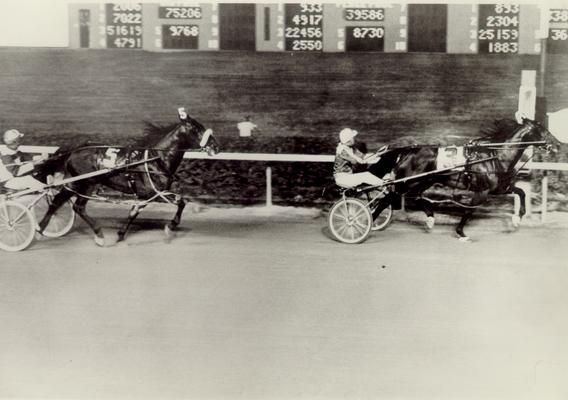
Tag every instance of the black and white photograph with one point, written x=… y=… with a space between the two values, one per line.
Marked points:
x=284 y=200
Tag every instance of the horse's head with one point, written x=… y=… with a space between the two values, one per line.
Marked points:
x=534 y=131
x=196 y=136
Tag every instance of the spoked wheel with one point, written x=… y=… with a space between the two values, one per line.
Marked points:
x=61 y=222
x=383 y=219
x=17 y=226
x=350 y=220
x=373 y=200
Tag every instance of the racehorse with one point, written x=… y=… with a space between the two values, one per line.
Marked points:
x=146 y=180
x=505 y=144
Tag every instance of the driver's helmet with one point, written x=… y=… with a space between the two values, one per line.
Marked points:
x=11 y=136
x=347 y=134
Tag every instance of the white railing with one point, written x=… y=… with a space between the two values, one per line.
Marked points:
x=544 y=166
x=267 y=157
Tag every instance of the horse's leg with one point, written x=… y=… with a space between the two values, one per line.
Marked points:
x=59 y=199
x=383 y=203
x=478 y=198
x=134 y=211
x=173 y=224
x=521 y=211
x=427 y=208
x=80 y=209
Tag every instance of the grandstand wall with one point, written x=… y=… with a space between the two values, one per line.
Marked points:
x=53 y=93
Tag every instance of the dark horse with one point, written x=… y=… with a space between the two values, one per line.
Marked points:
x=146 y=181
x=507 y=141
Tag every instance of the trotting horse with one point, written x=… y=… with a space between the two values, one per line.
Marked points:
x=506 y=144
x=147 y=181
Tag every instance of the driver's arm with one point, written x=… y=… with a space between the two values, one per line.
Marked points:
x=348 y=154
x=7 y=166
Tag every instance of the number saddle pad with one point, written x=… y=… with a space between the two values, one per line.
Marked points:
x=450 y=156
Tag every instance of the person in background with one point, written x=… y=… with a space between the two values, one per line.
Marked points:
x=246 y=127
x=14 y=164
x=347 y=157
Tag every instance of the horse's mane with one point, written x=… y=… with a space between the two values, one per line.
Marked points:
x=158 y=130
x=498 y=130
x=151 y=134
x=154 y=132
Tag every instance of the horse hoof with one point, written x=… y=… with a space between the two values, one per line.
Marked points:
x=100 y=241
x=516 y=221
x=430 y=221
x=465 y=239
x=168 y=231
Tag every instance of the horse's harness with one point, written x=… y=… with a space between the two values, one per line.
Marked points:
x=131 y=156
x=472 y=152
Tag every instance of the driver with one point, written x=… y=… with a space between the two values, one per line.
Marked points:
x=14 y=163
x=346 y=157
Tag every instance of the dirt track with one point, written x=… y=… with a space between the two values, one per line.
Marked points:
x=241 y=306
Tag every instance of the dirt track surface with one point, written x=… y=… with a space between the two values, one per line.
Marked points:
x=262 y=306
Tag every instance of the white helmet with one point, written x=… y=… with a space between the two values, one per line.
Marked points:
x=347 y=134
x=10 y=136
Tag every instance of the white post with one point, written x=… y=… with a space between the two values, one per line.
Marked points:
x=527 y=93
x=544 y=199
x=558 y=123
x=268 y=187
x=527 y=100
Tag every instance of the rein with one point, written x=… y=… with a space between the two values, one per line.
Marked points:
x=498 y=146
x=159 y=193
x=124 y=147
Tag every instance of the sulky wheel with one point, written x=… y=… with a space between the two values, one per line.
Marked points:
x=17 y=226
x=61 y=222
x=350 y=220
x=383 y=219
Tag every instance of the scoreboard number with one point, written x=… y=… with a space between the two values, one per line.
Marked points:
x=364 y=14
x=557 y=42
x=180 y=12
x=368 y=32
x=364 y=38
x=183 y=30
x=303 y=27
x=123 y=26
x=299 y=33
x=498 y=28
x=468 y=28
x=558 y=34
x=180 y=37
x=558 y=15
x=123 y=30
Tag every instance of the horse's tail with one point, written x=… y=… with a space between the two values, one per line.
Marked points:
x=56 y=163
x=389 y=160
